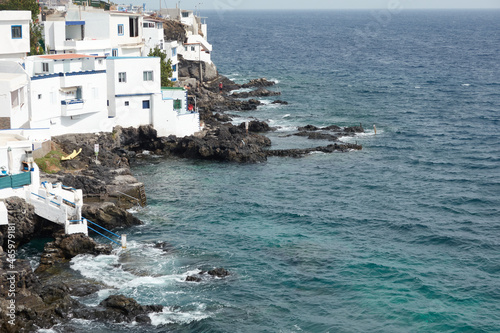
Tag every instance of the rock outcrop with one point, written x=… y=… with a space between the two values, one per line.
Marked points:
x=261 y=92
x=109 y=216
x=224 y=143
x=257 y=83
x=65 y=247
x=118 y=309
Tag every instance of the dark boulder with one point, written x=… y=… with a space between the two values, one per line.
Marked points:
x=354 y=129
x=261 y=92
x=224 y=143
x=262 y=82
x=218 y=272
x=119 y=308
x=324 y=149
x=22 y=215
x=332 y=128
x=317 y=136
x=308 y=128
x=192 y=278
x=83 y=289
x=65 y=247
x=257 y=126
x=279 y=101
x=109 y=216
x=165 y=247
x=222 y=117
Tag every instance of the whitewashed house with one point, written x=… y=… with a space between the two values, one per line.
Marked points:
x=95 y=31
x=197 y=48
x=67 y=93
x=154 y=37
x=14 y=33
x=136 y=97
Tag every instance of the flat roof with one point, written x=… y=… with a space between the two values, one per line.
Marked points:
x=10 y=76
x=66 y=56
x=9 y=137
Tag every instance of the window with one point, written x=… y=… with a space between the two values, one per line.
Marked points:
x=147 y=75
x=122 y=77
x=133 y=24
x=145 y=24
x=185 y=14
x=177 y=104
x=185 y=48
x=174 y=52
x=192 y=48
x=114 y=52
x=45 y=67
x=107 y=102
x=14 y=96
x=145 y=104
x=126 y=103
x=17 y=32
x=174 y=68
x=120 y=29
x=39 y=96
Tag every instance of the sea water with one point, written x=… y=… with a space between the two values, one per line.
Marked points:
x=403 y=236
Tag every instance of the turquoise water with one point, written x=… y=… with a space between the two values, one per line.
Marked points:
x=402 y=236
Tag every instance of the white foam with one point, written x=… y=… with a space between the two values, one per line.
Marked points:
x=466 y=85
x=241 y=90
x=286 y=128
x=286 y=116
x=171 y=315
x=418 y=87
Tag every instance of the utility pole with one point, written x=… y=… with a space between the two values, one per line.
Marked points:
x=199 y=58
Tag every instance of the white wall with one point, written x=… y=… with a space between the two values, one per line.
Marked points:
x=14 y=48
x=14 y=85
x=134 y=91
x=117 y=40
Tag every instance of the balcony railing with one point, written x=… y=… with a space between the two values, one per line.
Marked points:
x=71 y=107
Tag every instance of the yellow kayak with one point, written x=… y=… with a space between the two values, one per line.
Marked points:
x=72 y=155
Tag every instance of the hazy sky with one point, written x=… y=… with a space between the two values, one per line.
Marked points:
x=317 y=4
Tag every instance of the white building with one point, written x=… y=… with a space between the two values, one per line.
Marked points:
x=197 y=48
x=94 y=31
x=14 y=33
x=136 y=98
x=14 y=107
x=68 y=93
x=154 y=37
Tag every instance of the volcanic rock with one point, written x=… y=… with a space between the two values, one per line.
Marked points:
x=262 y=82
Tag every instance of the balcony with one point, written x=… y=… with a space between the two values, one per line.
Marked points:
x=71 y=107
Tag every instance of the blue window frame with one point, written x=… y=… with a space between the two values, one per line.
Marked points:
x=174 y=68
x=174 y=52
x=114 y=52
x=145 y=104
x=120 y=30
x=17 y=31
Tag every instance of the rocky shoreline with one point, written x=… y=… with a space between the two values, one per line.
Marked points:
x=44 y=298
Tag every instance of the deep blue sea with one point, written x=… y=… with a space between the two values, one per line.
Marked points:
x=403 y=236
